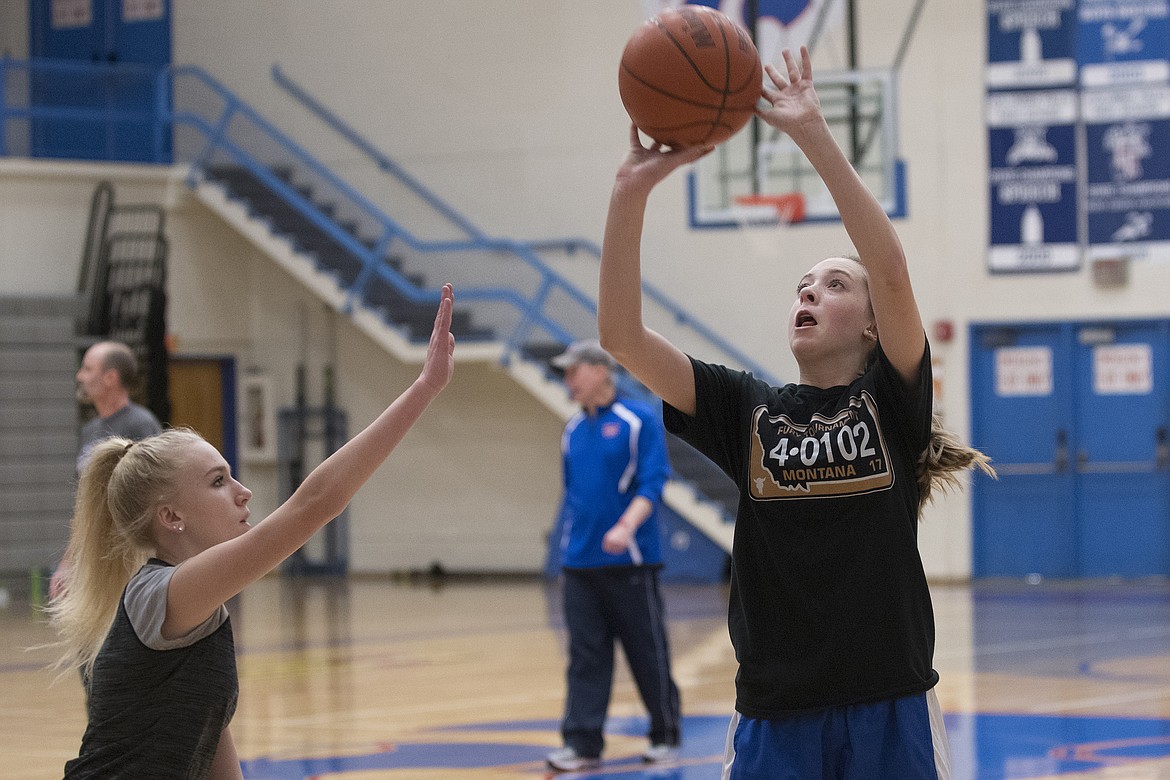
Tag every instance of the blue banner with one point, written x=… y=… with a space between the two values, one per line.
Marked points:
x=1123 y=42
x=1078 y=119
x=1033 y=181
x=1031 y=43
x=1127 y=146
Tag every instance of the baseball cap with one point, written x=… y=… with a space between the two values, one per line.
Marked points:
x=585 y=351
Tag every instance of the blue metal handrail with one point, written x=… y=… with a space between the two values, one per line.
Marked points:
x=384 y=162
x=371 y=262
x=569 y=245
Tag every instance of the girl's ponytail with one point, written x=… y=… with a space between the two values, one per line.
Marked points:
x=942 y=460
x=122 y=484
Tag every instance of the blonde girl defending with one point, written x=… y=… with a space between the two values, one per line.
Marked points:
x=161 y=539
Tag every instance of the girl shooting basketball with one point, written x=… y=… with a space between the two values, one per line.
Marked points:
x=160 y=541
x=829 y=610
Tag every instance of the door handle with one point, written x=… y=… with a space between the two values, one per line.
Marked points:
x=1058 y=465
x=1159 y=463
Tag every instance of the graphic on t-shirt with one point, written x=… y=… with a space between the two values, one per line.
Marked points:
x=841 y=455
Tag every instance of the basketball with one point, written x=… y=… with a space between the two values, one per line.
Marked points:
x=690 y=76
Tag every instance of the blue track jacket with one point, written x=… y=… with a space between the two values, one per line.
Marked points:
x=609 y=458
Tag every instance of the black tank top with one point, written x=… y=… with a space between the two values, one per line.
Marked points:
x=156 y=713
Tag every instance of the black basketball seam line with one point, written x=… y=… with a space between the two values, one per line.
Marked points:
x=673 y=96
x=722 y=94
x=651 y=129
x=726 y=76
x=722 y=108
x=757 y=66
x=691 y=62
x=716 y=121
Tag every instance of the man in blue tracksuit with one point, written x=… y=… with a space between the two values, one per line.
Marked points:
x=615 y=466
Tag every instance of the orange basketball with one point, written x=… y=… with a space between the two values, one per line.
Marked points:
x=690 y=76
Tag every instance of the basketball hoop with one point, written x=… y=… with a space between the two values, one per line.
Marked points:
x=789 y=207
x=761 y=218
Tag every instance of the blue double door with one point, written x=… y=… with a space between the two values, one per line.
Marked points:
x=1075 y=417
x=106 y=108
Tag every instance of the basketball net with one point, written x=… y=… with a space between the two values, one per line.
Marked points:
x=787 y=206
x=761 y=217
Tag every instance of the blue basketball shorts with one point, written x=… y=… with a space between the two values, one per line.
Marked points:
x=899 y=739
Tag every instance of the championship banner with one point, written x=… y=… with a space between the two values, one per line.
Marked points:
x=1124 y=54
x=1031 y=43
x=1031 y=112
x=1127 y=144
x=1123 y=42
x=1033 y=181
x=1083 y=170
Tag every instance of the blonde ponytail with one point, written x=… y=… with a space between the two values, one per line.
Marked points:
x=942 y=460
x=120 y=487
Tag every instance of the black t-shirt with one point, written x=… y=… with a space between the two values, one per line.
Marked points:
x=829 y=603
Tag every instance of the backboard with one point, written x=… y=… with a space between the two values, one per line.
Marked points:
x=737 y=183
x=743 y=180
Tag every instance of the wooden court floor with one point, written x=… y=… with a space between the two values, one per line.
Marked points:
x=363 y=679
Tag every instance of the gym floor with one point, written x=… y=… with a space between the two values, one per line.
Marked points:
x=420 y=680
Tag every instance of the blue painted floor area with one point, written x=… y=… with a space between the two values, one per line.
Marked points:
x=1008 y=747
x=1013 y=747
x=1016 y=747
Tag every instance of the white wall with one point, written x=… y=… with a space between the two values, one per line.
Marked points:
x=510 y=110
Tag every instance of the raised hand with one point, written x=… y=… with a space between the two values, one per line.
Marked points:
x=440 y=360
x=645 y=166
x=792 y=104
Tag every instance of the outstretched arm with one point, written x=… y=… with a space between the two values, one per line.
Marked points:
x=795 y=109
x=646 y=354
x=201 y=583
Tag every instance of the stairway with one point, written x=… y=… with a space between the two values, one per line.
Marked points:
x=38 y=429
x=698 y=488
x=337 y=260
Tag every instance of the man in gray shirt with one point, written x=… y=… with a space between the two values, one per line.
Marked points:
x=108 y=370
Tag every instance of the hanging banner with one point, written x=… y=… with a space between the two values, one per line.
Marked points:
x=1123 y=42
x=1083 y=171
x=1127 y=197
x=1033 y=181
x=1031 y=43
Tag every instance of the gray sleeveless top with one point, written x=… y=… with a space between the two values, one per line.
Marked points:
x=157 y=707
